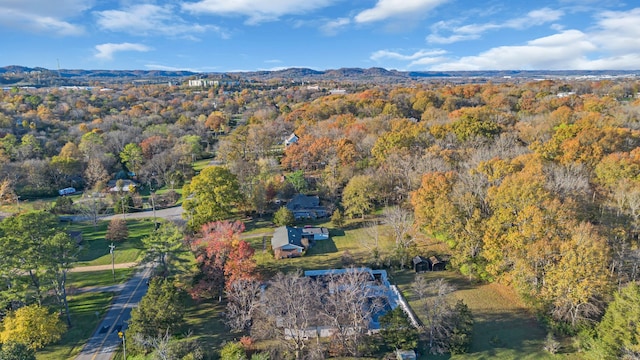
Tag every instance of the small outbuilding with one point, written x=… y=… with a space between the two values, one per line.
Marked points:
x=437 y=264
x=432 y=263
x=421 y=264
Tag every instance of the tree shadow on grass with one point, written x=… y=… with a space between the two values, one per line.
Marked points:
x=323 y=247
x=515 y=330
x=336 y=232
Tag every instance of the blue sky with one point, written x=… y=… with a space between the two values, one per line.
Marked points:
x=247 y=35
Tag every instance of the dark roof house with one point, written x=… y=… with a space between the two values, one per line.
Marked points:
x=307 y=206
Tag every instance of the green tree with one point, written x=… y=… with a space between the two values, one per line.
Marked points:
x=123 y=204
x=210 y=196
x=337 y=218
x=16 y=351
x=160 y=311
x=131 y=156
x=163 y=243
x=397 y=330
x=359 y=195
x=23 y=249
x=117 y=230
x=619 y=331
x=63 y=205
x=297 y=180
x=63 y=251
x=233 y=351
x=462 y=320
x=283 y=217
x=33 y=326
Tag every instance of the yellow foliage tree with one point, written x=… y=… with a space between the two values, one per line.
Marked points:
x=577 y=283
x=33 y=326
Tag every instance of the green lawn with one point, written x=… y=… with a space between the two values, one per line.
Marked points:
x=206 y=321
x=201 y=164
x=86 y=311
x=98 y=278
x=503 y=327
x=95 y=249
x=325 y=254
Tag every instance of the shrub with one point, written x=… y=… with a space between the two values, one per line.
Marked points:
x=117 y=230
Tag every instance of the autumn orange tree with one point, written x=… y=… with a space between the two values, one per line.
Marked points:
x=223 y=258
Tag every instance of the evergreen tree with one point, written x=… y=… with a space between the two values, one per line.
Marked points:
x=619 y=331
x=160 y=311
x=397 y=330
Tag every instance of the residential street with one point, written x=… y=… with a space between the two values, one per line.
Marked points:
x=105 y=341
x=173 y=213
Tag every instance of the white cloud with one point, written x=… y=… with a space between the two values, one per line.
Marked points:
x=146 y=19
x=43 y=16
x=334 y=26
x=106 y=51
x=475 y=31
x=619 y=31
x=385 y=9
x=611 y=43
x=386 y=54
x=565 y=50
x=256 y=10
x=535 y=18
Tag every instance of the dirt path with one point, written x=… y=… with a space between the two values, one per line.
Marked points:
x=103 y=267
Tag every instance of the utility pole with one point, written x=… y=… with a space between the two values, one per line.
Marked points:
x=122 y=204
x=124 y=344
x=113 y=264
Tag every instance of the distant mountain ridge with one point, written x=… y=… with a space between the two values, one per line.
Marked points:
x=16 y=74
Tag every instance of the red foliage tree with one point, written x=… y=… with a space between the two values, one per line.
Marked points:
x=154 y=145
x=222 y=258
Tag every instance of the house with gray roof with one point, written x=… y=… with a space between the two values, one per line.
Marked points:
x=307 y=207
x=287 y=241
x=290 y=241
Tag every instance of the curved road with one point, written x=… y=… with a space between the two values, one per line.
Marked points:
x=105 y=341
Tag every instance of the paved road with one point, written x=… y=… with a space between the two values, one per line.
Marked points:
x=173 y=213
x=105 y=341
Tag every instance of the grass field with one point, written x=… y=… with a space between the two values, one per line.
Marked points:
x=96 y=249
x=503 y=326
x=98 y=278
x=86 y=311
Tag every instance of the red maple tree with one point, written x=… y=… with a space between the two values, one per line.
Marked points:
x=222 y=257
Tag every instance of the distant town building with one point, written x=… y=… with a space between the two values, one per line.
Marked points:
x=203 y=83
